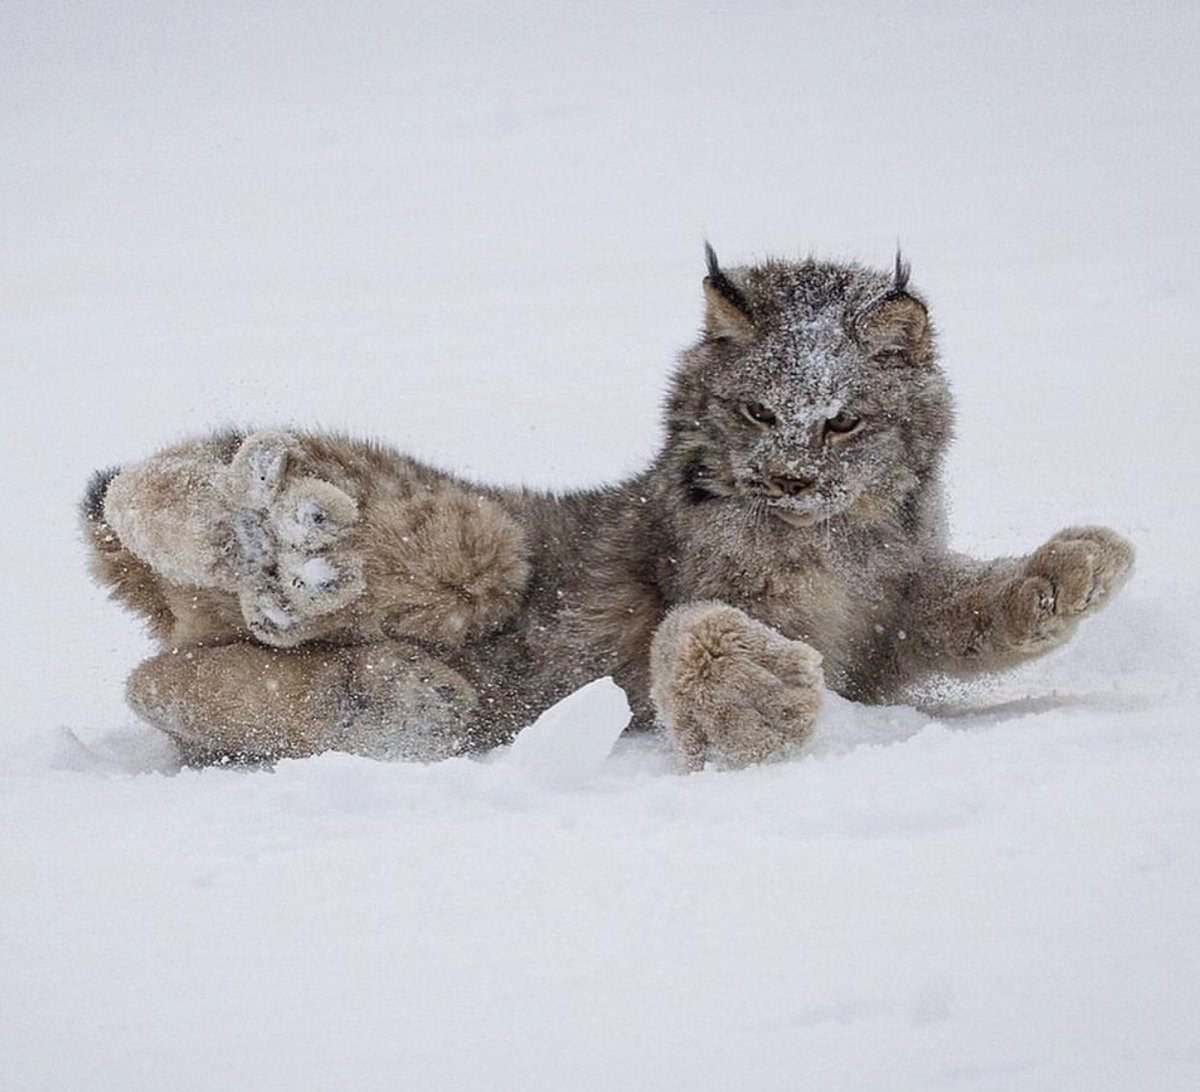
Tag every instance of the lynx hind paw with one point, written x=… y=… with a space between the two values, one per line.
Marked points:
x=291 y=536
x=1070 y=577
x=730 y=688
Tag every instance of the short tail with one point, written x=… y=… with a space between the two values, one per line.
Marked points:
x=127 y=579
x=91 y=507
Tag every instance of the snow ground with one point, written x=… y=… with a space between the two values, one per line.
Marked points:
x=479 y=235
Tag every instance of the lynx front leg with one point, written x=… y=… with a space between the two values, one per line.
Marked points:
x=973 y=617
x=247 y=701
x=728 y=687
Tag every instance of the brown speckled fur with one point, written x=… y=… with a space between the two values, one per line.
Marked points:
x=316 y=592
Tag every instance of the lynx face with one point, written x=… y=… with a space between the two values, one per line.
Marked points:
x=814 y=394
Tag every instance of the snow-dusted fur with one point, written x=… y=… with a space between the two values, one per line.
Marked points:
x=314 y=592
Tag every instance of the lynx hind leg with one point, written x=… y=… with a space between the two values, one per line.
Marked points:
x=730 y=688
x=248 y=518
x=245 y=701
x=446 y=566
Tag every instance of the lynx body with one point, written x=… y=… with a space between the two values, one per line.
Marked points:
x=314 y=592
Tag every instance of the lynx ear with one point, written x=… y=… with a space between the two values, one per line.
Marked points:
x=726 y=312
x=897 y=321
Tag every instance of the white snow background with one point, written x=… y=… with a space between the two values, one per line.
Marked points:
x=476 y=230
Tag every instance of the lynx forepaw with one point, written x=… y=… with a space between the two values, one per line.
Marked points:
x=730 y=688
x=1070 y=577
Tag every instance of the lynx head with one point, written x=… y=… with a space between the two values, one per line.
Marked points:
x=814 y=393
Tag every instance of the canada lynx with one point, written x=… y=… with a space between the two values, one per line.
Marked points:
x=314 y=592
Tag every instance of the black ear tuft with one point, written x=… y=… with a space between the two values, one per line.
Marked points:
x=896 y=320
x=903 y=272
x=710 y=257
x=721 y=284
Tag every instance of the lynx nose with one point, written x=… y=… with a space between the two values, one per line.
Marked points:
x=791 y=485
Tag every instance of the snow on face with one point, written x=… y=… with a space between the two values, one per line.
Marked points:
x=775 y=399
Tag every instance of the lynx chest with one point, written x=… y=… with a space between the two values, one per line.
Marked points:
x=836 y=609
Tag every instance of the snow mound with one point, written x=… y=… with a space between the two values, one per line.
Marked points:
x=566 y=746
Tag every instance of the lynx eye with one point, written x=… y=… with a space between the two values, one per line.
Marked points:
x=758 y=414
x=842 y=423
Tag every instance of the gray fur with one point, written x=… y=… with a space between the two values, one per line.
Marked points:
x=793 y=519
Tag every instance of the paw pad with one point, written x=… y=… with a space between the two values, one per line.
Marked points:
x=292 y=565
x=313 y=513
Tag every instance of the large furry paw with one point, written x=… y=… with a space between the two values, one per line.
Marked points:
x=287 y=539
x=257 y=526
x=1070 y=577
x=730 y=688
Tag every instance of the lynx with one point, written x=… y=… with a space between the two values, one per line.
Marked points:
x=317 y=592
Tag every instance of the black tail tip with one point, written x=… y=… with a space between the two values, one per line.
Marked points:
x=92 y=505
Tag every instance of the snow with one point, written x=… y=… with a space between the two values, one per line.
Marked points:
x=567 y=745
x=480 y=235
x=277 y=616
x=316 y=572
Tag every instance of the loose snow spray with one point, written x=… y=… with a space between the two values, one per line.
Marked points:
x=566 y=746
